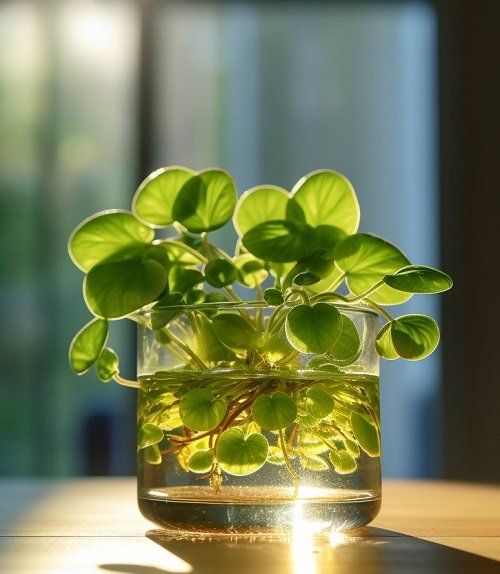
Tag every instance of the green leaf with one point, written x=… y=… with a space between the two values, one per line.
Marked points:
x=314 y=462
x=366 y=259
x=250 y=270
x=149 y=434
x=220 y=273
x=318 y=402
x=238 y=455
x=342 y=461
x=347 y=349
x=258 y=205
x=275 y=456
x=234 y=332
x=306 y=278
x=162 y=314
x=322 y=363
x=384 y=345
x=366 y=434
x=207 y=345
x=273 y=296
x=116 y=289
x=181 y=280
x=106 y=234
x=273 y=412
x=414 y=336
x=201 y=461
x=156 y=195
x=107 y=364
x=200 y=410
x=206 y=201
x=87 y=345
x=419 y=279
x=195 y=297
x=313 y=329
x=152 y=454
x=280 y=241
x=177 y=254
x=320 y=264
x=325 y=197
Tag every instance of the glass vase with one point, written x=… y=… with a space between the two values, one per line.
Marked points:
x=217 y=468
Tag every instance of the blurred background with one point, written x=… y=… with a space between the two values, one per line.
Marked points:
x=398 y=95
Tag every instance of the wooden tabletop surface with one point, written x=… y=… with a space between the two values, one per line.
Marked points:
x=93 y=526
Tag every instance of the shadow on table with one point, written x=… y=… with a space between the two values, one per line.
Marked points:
x=368 y=550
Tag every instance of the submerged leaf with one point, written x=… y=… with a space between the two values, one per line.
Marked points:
x=149 y=434
x=319 y=403
x=273 y=412
x=200 y=410
x=201 y=461
x=366 y=434
x=239 y=455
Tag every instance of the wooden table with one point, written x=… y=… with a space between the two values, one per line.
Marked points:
x=93 y=526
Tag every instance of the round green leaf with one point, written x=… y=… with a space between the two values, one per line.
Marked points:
x=419 y=279
x=319 y=403
x=156 y=195
x=250 y=270
x=280 y=241
x=206 y=201
x=238 y=455
x=313 y=329
x=347 y=349
x=384 y=345
x=258 y=205
x=107 y=364
x=200 y=410
x=220 y=273
x=273 y=412
x=233 y=331
x=273 y=296
x=366 y=434
x=152 y=454
x=366 y=259
x=87 y=345
x=342 y=461
x=106 y=234
x=116 y=289
x=149 y=434
x=414 y=336
x=201 y=461
x=181 y=280
x=325 y=197
x=314 y=462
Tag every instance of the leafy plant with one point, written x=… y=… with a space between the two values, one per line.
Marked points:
x=309 y=269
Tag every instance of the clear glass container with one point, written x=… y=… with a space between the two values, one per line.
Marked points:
x=323 y=465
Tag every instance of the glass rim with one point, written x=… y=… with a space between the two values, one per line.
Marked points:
x=361 y=309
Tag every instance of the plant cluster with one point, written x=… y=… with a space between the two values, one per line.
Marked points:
x=300 y=253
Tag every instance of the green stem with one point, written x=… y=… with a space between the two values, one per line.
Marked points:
x=380 y=309
x=198 y=362
x=366 y=293
x=190 y=250
x=288 y=463
x=125 y=382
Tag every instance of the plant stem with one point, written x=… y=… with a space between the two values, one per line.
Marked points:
x=190 y=250
x=380 y=309
x=198 y=362
x=125 y=382
x=366 y=293
x=288 y=463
